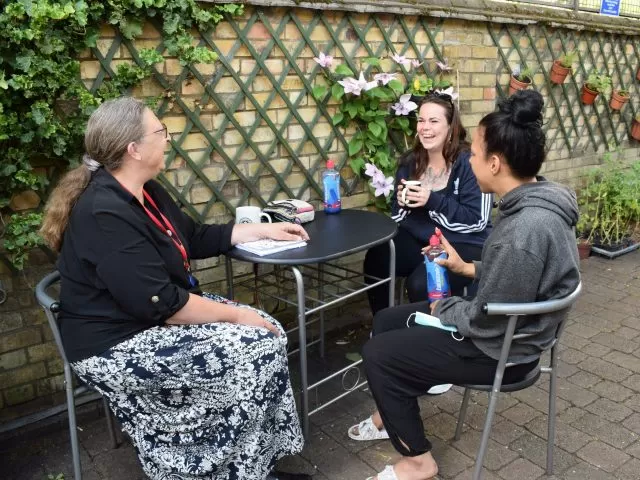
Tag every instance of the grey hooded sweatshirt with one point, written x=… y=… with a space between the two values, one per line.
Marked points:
x=531 y=255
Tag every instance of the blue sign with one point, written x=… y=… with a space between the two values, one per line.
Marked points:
x=610 y=7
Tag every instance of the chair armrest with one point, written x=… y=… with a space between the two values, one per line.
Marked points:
x=532 y=308
x=44 y=299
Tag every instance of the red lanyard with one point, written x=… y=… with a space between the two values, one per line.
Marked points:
x=166 y=227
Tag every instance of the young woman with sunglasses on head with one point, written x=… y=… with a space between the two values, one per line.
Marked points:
x=448 y=197
x=531 y=255
x=200 y=383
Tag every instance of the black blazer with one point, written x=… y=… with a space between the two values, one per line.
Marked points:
x=120 y=273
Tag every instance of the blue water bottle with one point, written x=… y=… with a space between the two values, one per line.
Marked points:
x=437 y=279
x=331 y=184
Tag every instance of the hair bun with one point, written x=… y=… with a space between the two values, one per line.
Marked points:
x=524 y=107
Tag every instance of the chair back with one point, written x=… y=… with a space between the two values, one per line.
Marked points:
x=515 y=310
x=51 y=307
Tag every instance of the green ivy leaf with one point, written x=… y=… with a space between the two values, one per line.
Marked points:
x=355 y=145
x=337 y=118
x=342 y=69
x=319 y=91
x=337 y=91
x=373 y=61
x=396 y=86
x=375 y=129
x=357 y=164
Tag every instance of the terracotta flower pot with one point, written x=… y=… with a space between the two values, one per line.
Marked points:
x=617 y=101
x=515 y=85
x=588 y=95
x=635 y=130
x=558 y=73
x=584 y=249
x=638 y=74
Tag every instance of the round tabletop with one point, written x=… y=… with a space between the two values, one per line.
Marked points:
x=332 y=235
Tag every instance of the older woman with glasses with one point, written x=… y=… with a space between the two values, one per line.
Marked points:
x=199 y=383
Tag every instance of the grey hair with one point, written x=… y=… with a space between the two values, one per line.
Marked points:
x=110 y=129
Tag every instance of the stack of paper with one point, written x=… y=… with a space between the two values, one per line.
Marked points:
x=268 y=246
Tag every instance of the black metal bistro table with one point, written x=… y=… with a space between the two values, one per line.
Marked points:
x=332 y=236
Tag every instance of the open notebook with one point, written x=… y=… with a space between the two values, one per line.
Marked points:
x=268 y=246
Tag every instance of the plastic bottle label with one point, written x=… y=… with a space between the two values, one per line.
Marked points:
x=437 y=280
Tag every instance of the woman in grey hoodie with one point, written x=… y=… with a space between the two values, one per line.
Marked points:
x=531 y=255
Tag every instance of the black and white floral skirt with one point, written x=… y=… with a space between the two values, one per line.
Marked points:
x=209 y=401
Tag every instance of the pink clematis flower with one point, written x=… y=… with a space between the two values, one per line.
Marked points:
x=443 y=66
x=416 y=63
x=404 y=105
x=400 y=60
x=324 y=60
x=384 y=78
x=351 y=85
x=448 y=91
x=383 y=187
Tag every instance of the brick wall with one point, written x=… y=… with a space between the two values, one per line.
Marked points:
x=258 y=142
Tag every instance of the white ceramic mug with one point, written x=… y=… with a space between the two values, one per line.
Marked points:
x=250 y=215
x=408 y=183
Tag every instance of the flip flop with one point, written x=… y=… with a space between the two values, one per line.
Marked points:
x=366 y=430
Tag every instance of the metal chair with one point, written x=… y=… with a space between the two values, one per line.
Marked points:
x=513 y=311
x=51 y=308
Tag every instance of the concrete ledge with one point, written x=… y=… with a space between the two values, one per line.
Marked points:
x=474 y=10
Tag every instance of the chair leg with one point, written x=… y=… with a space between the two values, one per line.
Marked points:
x=110 y=425
x=463 y=413
x=486 y=432
x=551 y=427
x=73 y=431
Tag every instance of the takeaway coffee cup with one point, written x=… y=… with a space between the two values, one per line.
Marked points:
x=407 y=185
x=251 y=215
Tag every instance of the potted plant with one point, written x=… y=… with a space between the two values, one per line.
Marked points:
x=638 y=74
x=596 y=83
x=520 y=79
x=561 y=67
x=635 y=128
x=583 y=238
x=619 y=98
x=610 y=207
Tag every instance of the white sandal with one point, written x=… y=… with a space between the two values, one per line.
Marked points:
x=366 y=430
x=387 y=474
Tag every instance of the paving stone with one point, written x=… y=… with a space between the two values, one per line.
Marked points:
x=613 y=411
x=616 y=342
x=119 y=463
x=582 y=330
x=497 y=455
x=564 y=370
x=505 y=400
x=539 y=399
x=612 y=391
x=634 y=450
x=571 y=414
x=584 y=471
x=379 y=454
x=521 y=414
x=612 y=433
x=574 y=394
x=605 y=369
x=296 y=464
x=633 y=402
x=629 y=471
x=629 y=362
x=521 y=468
x=451 y=461
x=505 y=432
x=584 y=379
x=449 y=402
x=603 y=456
x=571 y=355
x=442 y=425
x=567 y=437
x=324 y=453
x=627 y=332
x=595 y=350
x=633 y=423
x=486 y=475
x=534 y=449
x=574 y=341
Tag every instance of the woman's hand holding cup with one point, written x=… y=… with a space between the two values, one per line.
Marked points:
x=412 y=194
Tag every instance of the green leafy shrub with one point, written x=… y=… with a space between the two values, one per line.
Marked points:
x=44 y=105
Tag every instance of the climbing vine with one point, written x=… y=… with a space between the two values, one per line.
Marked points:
x=44 y=104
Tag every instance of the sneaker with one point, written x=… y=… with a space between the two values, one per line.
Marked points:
x=439 y=389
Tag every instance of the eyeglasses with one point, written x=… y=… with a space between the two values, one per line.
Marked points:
x=164 y=130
